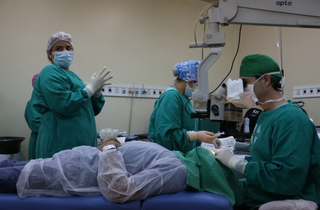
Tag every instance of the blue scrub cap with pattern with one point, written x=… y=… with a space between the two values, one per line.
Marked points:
x=187 y=71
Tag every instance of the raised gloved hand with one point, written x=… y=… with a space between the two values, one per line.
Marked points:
x=97 y=81
x=227 y=158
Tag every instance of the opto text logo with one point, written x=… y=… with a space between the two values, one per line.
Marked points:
x=284 y=3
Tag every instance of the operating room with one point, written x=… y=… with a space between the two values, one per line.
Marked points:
x=140 y=41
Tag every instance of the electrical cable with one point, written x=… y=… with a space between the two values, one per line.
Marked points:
x=234 y=58
x=196 y=23
x=185 y=107
x=279 y=44
x=202 y=49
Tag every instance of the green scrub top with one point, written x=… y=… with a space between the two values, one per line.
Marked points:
x=207 y=174
x=33 y=119
x=169 y=122
x=67 y=113
x=285 y=158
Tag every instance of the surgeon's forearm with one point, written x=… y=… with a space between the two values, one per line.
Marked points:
x=97 y=104
x=237 y=164
x=191 y=135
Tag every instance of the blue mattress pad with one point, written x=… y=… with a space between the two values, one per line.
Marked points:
x=181 y=200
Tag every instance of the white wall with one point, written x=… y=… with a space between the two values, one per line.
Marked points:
x=139 y=40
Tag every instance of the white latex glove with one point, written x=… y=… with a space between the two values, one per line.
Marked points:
x=227 y=158
x=97 y=81
x=205 y=136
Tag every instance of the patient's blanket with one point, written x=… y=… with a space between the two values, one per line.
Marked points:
x=67 y=173
x=134 y=171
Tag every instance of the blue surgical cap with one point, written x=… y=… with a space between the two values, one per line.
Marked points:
x=187 y=71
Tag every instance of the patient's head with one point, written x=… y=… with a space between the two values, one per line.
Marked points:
x=109 y=141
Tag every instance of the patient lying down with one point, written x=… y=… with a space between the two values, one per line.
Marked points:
x=133 y=171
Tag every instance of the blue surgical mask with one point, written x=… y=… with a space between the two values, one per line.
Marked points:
x=188 y=91
x=63 y=59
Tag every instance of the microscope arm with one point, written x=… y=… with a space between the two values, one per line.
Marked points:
x=294 y=13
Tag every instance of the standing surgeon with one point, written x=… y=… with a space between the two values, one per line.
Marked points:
x=285 y=148
x=66 y=104
x=171 y=124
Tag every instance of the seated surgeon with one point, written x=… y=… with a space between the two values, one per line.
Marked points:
x=285 y=148
x=171 y=124
x=134 y=171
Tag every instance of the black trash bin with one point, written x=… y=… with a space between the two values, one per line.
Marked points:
x=10 y=147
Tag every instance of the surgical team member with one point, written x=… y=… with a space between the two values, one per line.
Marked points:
x=285 y=148
x=33 y=119
x=66 y=104
x=171 y=124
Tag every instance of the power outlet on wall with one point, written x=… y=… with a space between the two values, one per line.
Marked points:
x=306 y=91
x=132 y=91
